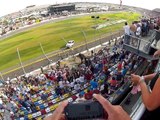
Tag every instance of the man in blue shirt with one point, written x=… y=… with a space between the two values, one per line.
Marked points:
x=94 y=84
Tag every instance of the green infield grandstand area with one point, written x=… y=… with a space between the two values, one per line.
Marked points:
x=49 y=35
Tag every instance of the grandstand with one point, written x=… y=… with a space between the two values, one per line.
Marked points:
x=52 y=9
x=102 y=66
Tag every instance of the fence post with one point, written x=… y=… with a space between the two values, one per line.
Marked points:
x=100 y=38
x=19 y=57
x=2 y=76
x=84 y=34
x=44 y=53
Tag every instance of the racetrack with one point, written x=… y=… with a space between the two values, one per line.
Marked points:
x=42 y=61
x=50 y=37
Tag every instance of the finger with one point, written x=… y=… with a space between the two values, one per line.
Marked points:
x=154 y=55
x=105 y=103
x=58 y=112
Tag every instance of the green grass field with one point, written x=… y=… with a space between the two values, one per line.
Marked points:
x=50 y=37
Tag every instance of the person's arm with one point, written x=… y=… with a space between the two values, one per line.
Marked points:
x=149 y=77
x=157 y=53
x=151 y=100
x=135 y=78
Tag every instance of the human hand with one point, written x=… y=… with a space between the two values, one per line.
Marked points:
x=157 y=53
x=115 y=112
x=58 y=113
x=135 y=79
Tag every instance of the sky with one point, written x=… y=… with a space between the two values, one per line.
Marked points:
x=10 y=6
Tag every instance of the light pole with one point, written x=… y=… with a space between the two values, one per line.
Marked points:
x=65 y=42
x=19 y=57
x=44 y=53
x=63 y=39
x=100 y=38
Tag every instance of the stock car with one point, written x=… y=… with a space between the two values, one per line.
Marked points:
x=70 y=44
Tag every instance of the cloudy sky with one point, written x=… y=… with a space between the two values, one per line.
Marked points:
x=9 y=6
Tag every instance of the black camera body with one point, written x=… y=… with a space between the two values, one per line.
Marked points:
x=84 y=111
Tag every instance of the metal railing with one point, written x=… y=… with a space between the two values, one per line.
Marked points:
x=140 y=44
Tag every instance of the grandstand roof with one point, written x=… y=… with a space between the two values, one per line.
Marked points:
x=157 y=10
x=62 y=5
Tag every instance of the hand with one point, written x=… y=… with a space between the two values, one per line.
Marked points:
x=58 y=113
x=157 y=53
x=135 y=79
x=115 y=112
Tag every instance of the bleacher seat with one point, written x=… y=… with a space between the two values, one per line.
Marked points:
x=50 y=103
x=38 y=113
x=48 y=110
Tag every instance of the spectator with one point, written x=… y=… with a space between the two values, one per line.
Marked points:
x=124 y=71
x=138 y=32
x=119 y=76
x=94 y=84
x=88 y=95
x=77 y=87
x=80 y=98
x=113 y=82
x=58 y=91
x=105 y=90
x=133 y=29
x=127 y=33
x=119 y=66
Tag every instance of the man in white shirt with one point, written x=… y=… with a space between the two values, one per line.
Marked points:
x=77 y=87
x=61 y=85
x=138 y=32
x=127 y=33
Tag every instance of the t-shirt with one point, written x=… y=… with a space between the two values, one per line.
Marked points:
x=119 y=66
x=1 y=101
x=113 y=82
x=61 y=84
x=88 y=96
x=127 y=30
x=138 y=32
x=124 y=71
x=94 y=84
x=77 y=87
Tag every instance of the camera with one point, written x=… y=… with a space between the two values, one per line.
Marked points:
x=84 y=111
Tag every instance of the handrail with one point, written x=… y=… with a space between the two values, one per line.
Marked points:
x=141 y=44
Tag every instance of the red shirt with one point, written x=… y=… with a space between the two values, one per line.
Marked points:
x=119 y=66
x=88 y=96
x=113 y=82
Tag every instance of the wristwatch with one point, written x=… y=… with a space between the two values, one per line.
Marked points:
x=141 y=79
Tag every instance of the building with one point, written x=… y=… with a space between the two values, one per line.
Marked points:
x=60 y=7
